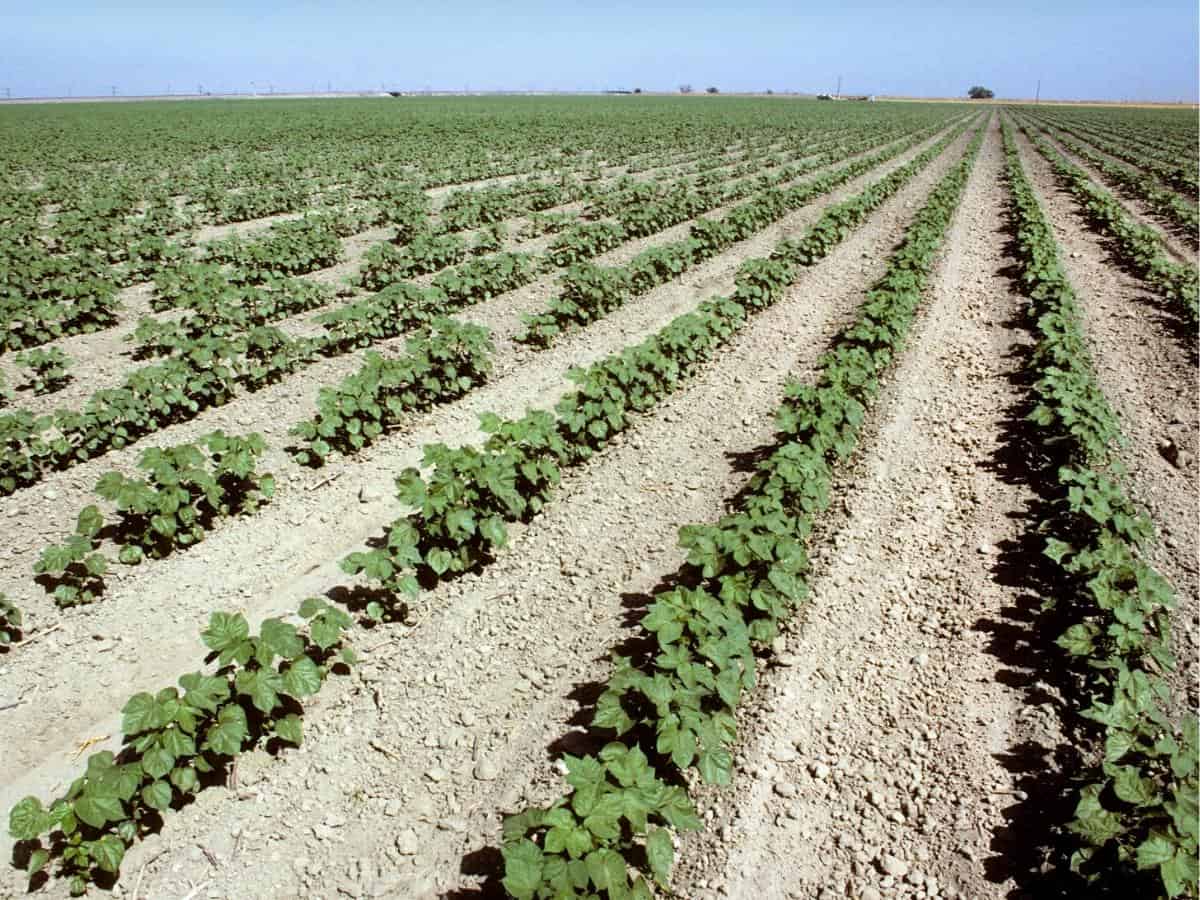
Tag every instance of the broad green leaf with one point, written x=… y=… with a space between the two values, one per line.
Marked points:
x=27 y=819
x=523 y=863
x=108 y=852
x=302 y=678
x=291 y=729
x=225 y=630
x=99 y=811
x=157 y=795
x=660 y=853
x=281 y=637
x=227 y=734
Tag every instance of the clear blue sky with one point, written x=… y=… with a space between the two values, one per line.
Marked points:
x=1086 y=50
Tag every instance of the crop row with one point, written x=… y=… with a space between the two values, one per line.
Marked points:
x=1168 y=170
x=178 y=741
x=69 y=286
x=1136 y=810
x=1141 y=185
x=671 y=707
x=1137 y=246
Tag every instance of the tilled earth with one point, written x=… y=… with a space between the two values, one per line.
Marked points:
x=895 y=744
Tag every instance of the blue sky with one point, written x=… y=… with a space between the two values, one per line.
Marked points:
x=1079 y=50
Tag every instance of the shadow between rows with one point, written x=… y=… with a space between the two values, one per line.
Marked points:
x=1032 y=849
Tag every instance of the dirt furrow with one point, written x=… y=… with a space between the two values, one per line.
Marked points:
x=148 y=625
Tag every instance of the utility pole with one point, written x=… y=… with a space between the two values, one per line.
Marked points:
x=839 y=87
x=1037 y=98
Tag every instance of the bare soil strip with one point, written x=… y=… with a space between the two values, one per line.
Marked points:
x=473 y=643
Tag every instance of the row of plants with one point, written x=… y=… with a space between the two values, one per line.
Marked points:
x=364 y=405
x=178 y=741
x=440 y=365
x=47 y=372
x=590 y=292
x=217 y=307
x=138 y=247
x=292 y=247
x=45 y=296
x=1131 y=147
x=1141 y=185
x=462 y=505
x=185 y=490
x=205 y=373
x=427 y=246
x=641 y=216
x=1136 y=817
x=1137 y=246
x=670 y=708
x=213 y=358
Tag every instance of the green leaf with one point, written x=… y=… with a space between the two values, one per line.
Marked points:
x=99 y=811
x=1180 y=873
x=261 y=686
x=291 y=729
x=660 y=853
x=225 y=630
x=1130 y=786
x=157 y=795
x=229 y=732
x=523 y=863
x=108 y=853
x=157 y=762
x=281 y=637
x=185 y=779
x=27 y=819
x=90 y=521
x=302 y=678
x=130 y=555
x=439 y=560
x=37 y=860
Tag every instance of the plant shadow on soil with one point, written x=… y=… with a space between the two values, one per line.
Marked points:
x=487 y=863
x=1166 y=313
x=1033 y=848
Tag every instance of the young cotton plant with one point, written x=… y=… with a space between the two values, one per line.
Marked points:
x=74 y=570
x=442 y=364
x=47 y=369
x=178 y=740
x=10 y=621
x=578 y=846
x=186 y=488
